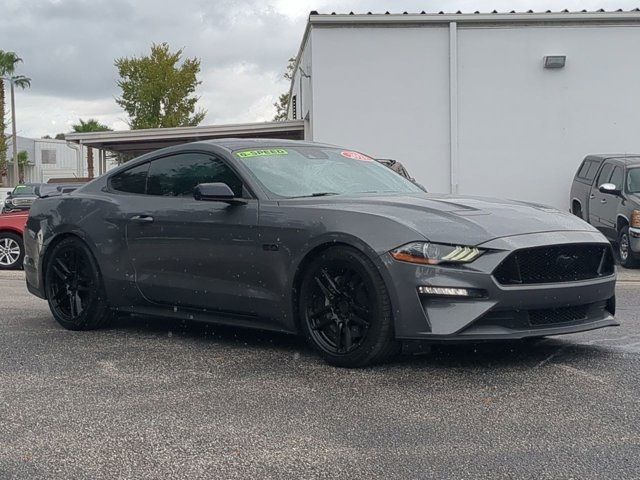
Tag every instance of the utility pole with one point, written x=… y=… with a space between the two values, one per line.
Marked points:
x=16 y=170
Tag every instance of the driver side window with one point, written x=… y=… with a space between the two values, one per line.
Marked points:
x=177 y=175
x=617 y=177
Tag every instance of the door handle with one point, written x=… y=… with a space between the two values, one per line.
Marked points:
x=592 y=196
x=142 y=219
x=602 y=200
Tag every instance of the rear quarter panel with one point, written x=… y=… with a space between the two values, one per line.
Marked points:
x=580 y=191
x=97 y=220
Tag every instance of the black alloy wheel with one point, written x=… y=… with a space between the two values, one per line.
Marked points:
x=74 y=288
x=345 y=310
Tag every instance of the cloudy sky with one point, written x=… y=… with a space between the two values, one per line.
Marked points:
x=69 y=46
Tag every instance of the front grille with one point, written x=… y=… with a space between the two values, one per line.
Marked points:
x=541 y=318
x=22 y=202
x=555 y=264
x=558 y=315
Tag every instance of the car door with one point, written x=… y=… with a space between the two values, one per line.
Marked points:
x=611 y=205
x=193 y=253
x=597 y=199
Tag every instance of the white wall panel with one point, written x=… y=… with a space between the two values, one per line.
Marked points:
x=524 y=129
x=385 y=91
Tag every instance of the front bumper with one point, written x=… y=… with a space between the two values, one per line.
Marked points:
x=6 y=209
x=506 y=311
x=634 y=241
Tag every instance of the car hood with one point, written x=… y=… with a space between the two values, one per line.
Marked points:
x=461 y=220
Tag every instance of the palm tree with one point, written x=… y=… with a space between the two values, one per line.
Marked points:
x=90 y=125
x=8 y=62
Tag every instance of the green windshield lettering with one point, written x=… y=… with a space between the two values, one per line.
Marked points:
x=262 y=153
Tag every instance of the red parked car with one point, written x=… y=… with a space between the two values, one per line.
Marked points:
x=11 y=247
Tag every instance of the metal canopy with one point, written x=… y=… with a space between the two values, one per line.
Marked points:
x=137 y=142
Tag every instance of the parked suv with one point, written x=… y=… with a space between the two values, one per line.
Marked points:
x=22 y=196
x=606 y=193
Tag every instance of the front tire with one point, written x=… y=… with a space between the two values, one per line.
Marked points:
x=74 y=287
x=11 y=251
x=345 y=311
x=624 y=249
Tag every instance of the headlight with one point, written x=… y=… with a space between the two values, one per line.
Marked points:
x=8 y=202
x=427 y=253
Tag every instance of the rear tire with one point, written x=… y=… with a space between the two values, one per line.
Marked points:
x=11 y=251
x=625 y=255
x=577 y=210
x=74 y=287
x=345 y=311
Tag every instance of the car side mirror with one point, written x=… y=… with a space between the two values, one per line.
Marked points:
x=216 y=192
x=610 y=188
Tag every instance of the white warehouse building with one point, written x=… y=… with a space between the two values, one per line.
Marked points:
x=500 y=104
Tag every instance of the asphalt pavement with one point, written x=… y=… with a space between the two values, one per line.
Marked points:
x=150 y=398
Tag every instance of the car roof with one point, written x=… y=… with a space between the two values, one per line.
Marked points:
x=625 y=158
x=232 y=144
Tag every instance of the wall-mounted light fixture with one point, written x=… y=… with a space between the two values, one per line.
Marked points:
x=554 y=61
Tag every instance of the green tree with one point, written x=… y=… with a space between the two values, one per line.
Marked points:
x=282 y=105
x=158 y=91
x=8 y=62
x=23 y=161
x=59 y=136
x=90 y=125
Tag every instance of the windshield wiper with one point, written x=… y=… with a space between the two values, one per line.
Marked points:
x=317 y=194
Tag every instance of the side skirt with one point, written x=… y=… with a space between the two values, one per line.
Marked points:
x=218 y=318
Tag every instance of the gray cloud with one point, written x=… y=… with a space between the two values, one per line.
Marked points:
x=69 y=47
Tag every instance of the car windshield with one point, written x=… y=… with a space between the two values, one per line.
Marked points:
x=633 y=180
x=24 y=190
x=306 y=171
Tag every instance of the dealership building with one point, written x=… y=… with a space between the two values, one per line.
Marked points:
x=497 y=104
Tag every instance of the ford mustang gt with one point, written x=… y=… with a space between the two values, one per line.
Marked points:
x=313 y=239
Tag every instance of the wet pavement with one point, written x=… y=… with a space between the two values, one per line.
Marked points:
x=149 y=398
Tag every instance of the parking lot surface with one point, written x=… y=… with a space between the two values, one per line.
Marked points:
x=149 y=398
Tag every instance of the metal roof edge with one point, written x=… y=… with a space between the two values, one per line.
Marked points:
x=166 y=133
x=414 y=18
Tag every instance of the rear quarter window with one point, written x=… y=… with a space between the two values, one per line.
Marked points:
x=133 y=180
x=588 y=170
x=593 y=169
x=582 y=171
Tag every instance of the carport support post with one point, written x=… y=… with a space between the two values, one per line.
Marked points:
x=453 y=106
x=81 y=161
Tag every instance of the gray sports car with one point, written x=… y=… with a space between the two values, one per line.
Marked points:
x=308 y=238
